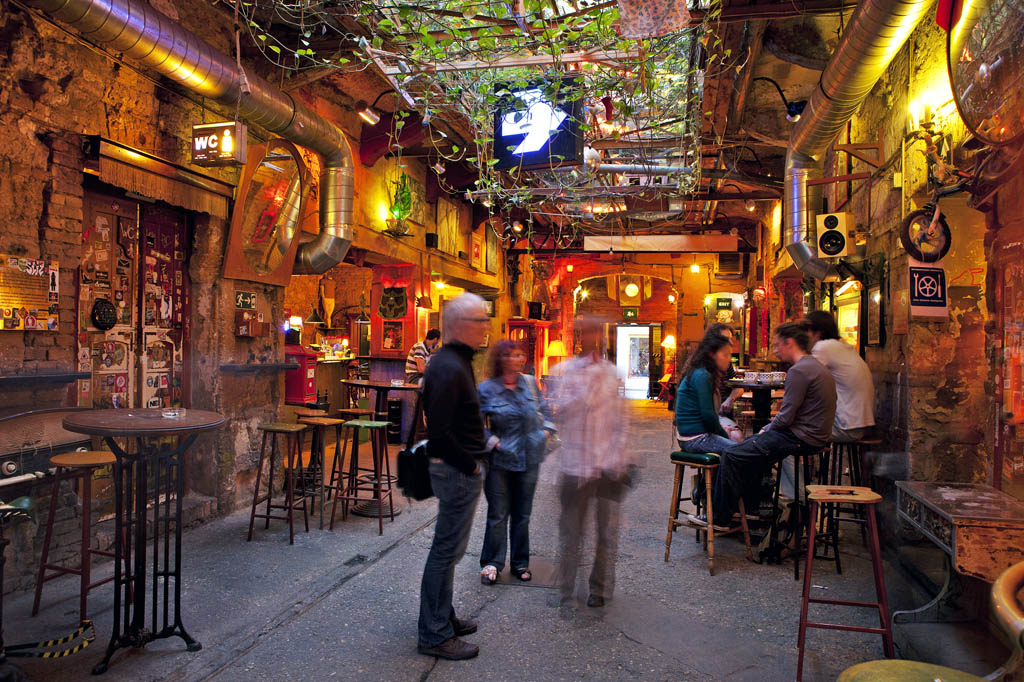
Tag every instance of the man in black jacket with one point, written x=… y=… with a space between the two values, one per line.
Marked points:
x=457 y=449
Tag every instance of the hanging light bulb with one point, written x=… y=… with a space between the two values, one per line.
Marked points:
x=750 y=204
x=671 y=298
x=695 y=268
x=517 y=226
x=569 y=267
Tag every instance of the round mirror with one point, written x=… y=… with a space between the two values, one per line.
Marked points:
x=271 y=210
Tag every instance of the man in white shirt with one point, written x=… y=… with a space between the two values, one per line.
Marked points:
x=855 y=389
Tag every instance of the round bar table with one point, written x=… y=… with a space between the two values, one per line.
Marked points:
x=380 y=408
x=761 y=399
x=154 y=471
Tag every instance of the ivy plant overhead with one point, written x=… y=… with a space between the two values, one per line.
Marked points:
x=455 y=60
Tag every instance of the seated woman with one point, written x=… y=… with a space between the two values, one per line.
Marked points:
x=697 y=426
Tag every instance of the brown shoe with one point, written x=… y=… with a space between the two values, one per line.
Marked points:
x=453 y=649
x=463 y=627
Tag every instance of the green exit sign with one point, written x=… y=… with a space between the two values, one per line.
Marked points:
x=630 y=313
x=245 y=300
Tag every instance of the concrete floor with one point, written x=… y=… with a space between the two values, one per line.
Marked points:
x=343 y=605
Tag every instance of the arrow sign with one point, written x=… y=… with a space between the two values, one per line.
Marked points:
x=537 y=123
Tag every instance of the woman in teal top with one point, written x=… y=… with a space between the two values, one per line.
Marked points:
x=697 y=426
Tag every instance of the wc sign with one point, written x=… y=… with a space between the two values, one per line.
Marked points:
x=218 y=144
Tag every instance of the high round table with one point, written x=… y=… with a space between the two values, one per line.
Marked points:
x=380 y=408
x=761 y=399
x=161 y=464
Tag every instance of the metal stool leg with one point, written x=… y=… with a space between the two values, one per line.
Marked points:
x=86 y=565
x=709 y=534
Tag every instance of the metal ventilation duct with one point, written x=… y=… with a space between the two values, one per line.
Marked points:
x=875 y=34
x=140 y=32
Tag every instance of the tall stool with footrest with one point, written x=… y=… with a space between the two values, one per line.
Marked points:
x=291 y=455
x=818 y=494
x=69 y=466
x=375 y=479
x=706 y=463
x=316 y=487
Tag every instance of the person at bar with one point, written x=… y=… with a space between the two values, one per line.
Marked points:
x=458 y=450
x=698 y=428
x=855 y=388
x=803 y=426
x=519 y=416
x=596 y=464
x=419 y=356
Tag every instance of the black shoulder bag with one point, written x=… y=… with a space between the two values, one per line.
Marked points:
x=413 y=463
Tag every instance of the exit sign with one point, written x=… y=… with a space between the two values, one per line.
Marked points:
x=245 y=300
x=219 y=144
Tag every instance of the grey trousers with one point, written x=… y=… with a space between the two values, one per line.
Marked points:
x=577 y=496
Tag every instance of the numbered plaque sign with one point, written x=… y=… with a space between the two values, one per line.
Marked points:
x=29 y=292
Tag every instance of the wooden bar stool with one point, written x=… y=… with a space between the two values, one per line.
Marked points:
x=866 y=497
x=292 y=454
x=706 y=463
x=313 y=473
x=71 y=466
x=796 y=526
x=376 y=480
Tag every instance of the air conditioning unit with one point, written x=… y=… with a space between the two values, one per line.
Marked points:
x=833 y=235
x=730 y=265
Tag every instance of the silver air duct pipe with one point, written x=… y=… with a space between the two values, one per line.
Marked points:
x=641 y=169
x=140 y=32
x=875 y=34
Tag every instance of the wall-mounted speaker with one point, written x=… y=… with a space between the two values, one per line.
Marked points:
x=431 y=240
x=833 y=235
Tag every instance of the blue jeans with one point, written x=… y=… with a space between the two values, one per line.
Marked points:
x=457 y=495
x=743 y=466
x=708 y=442
x=509 y=493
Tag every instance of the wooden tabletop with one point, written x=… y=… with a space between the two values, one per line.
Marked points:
x=363 y=383
x=141 y=422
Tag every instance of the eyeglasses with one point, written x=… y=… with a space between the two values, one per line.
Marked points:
x=477 y=319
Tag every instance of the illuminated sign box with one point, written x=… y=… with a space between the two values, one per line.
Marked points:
x=219 y=144
x=530 y=131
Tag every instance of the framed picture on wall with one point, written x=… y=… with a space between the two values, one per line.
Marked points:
x=477 y=253
x=491 y=249
x=489 y=306
x=391 y=335
x=874 y=316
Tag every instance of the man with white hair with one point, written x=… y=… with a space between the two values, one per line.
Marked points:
x=458 y=449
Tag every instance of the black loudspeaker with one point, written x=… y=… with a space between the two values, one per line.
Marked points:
x=536 y=310
x=431 y=240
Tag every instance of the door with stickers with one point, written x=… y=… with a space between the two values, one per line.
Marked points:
x=133 y=295
x=165 y=324
x=106 y=302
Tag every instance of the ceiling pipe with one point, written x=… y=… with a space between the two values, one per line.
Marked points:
x=142 y=33
x=876 y=33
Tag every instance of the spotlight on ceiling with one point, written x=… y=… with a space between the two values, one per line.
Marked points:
x=793 y=109
x=517 y=226
x=368 y=113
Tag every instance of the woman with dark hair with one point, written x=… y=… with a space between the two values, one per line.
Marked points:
x=518 y=415
x=697 y=426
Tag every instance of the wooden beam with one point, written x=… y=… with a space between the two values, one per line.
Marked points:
x=596 y=56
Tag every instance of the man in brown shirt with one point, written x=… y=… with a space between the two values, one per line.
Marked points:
x=802 y=427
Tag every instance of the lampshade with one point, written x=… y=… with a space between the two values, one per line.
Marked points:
x=556 y=349
x=669 y=341
x=632 y=289
x=314 y=318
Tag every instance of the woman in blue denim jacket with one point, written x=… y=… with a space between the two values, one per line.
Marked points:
x=516 y=414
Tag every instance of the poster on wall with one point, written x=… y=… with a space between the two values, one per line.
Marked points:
x=447 y=227
x=477 y=254
x=491 y=250
x=874 y=321
x=29 y=291
x=391 y=335
x=927 y=286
